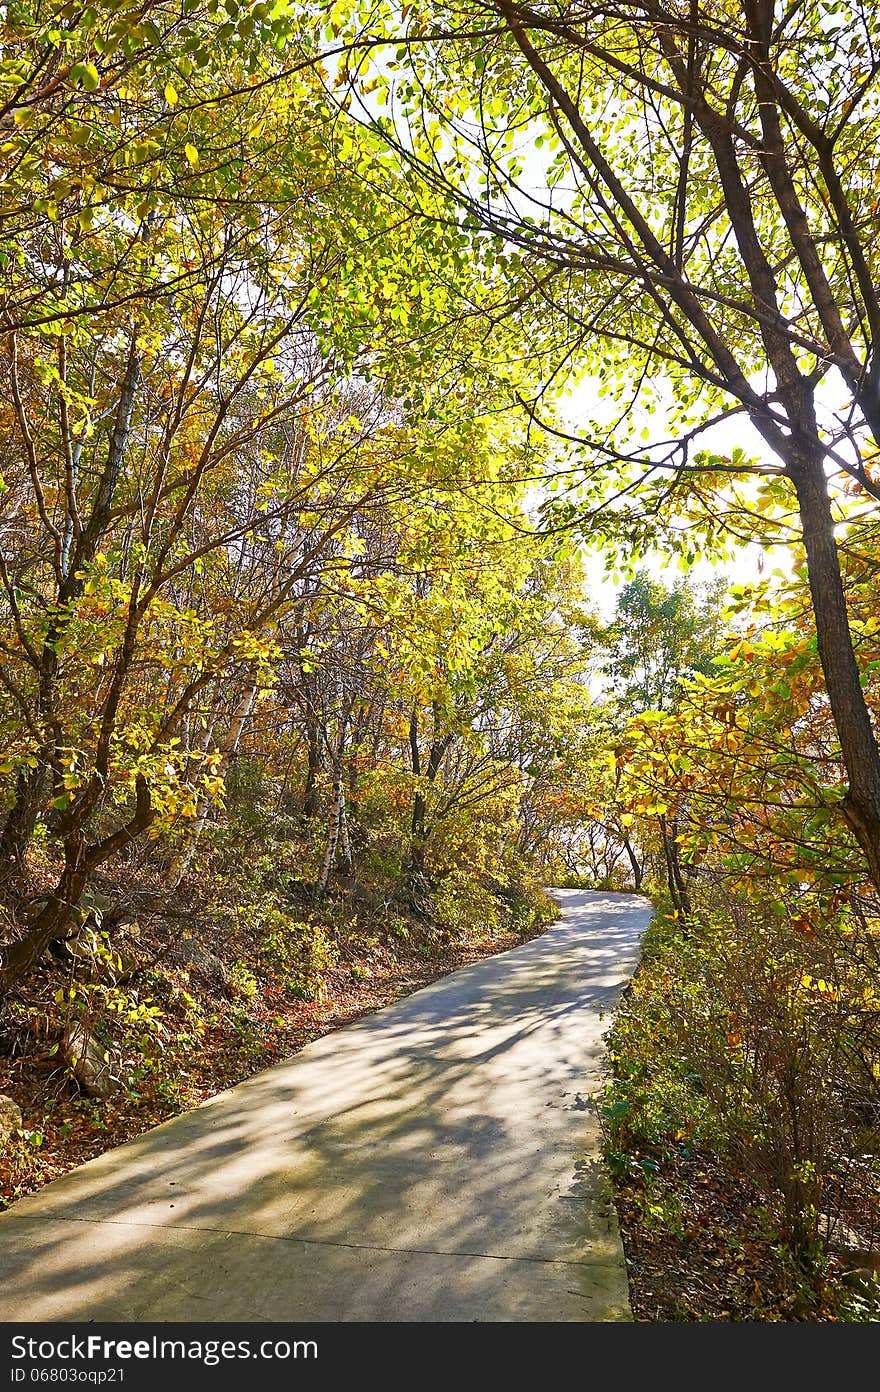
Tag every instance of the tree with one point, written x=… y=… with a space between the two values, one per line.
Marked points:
x=195 y=270
x=702 y=232
x=658 y=638
x=748 y=755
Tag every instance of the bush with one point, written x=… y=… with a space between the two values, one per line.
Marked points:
x=458 y=904
x=300 y=951
x=756 y=1033
x=531 y=908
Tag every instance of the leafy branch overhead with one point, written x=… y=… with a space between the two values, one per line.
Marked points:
x=365 y=370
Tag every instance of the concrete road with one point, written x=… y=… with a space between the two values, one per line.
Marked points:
x=438 y=1160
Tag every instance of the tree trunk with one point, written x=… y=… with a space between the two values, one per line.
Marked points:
x=336 y=815
x=858 y=744
x=79 y=862
x=415 y=869
x=345 y=840
x=22 y=817
x=675 y=881
x=49 y=925
x=309 y=804
x=417 y=825
x=637 y=868
x=418 y=840
x=21 y=821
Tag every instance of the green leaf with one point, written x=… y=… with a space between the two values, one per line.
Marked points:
x=86 y=75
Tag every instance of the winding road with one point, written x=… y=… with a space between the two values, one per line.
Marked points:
x=438 y=1160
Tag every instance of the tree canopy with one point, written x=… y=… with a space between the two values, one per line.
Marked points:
x=346 y=351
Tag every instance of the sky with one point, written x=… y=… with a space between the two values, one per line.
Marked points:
x=749 y=563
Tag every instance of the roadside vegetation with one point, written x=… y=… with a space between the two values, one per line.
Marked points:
x=742 y=1118
x=347 y=353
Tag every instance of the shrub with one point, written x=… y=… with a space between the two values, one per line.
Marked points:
x=756 y=1033
x=301 y=952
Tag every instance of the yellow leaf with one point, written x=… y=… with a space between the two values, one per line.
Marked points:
x=192 y=154
x=170 y=95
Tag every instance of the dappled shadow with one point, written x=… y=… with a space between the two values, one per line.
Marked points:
x=417 y=1164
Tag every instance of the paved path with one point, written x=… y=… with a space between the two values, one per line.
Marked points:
x=438 y=1160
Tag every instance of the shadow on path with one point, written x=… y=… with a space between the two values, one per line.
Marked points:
x=438 y=1160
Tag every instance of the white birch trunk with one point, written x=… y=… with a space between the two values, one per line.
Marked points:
x=336 y=819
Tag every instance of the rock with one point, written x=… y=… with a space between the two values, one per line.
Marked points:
x=208 y=964
x=124 y=960
x=360 y=894
x=125 y=964
x=97 y=903
x=863 y=1279
x=80 y=944
x=10 y=1118
x=112 y=958
x=90 y=1063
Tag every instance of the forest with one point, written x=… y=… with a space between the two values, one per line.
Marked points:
x=439 y=461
